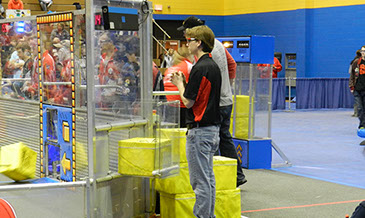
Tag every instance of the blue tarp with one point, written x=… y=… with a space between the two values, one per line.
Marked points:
x=323 y=93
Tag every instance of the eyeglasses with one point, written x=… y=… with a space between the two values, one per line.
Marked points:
x=190 y=39
x=362 y=51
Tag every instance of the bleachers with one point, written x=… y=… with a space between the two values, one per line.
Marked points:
x=57 y=6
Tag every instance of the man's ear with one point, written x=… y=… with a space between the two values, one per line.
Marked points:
x=199 y=42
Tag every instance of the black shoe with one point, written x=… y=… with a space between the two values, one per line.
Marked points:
x=241 y=182
x=362 y=143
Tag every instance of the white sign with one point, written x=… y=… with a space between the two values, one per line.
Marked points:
x=17 y=13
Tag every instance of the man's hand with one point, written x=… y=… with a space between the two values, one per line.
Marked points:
x=177 y=78
x=352 y=89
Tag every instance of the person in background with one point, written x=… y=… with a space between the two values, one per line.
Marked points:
x=157 y=78
x=167 y=61
x=60 y=32
x=182 y=62
x=24 y=53
x=357 y=86
x=15 y=4
x=356 y=100
x=265 y=69
x=201 y=95
x=227 y=67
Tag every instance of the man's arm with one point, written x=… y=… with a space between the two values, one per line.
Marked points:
x=187 y=102
x=231 y=66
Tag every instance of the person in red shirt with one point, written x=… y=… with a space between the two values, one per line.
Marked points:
x=15 y=4
x=264 y=69
x=49 y=70
x=181 y=62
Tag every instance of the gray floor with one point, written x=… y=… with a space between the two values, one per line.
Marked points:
x=269 y=194
x=322 y=144
x=327 y=177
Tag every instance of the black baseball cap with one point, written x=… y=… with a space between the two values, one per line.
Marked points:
x=191 y=22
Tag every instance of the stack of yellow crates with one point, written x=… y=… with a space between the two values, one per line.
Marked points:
x=18 y=161
x=177 y=197
x=242 y=113
x=139 y=157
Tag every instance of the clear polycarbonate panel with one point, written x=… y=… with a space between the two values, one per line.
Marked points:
x=166 y=121
x=18 y=52
x=121 y=197
x=117 y=71
x=252 y=96
x=154 y=155
x=80 y=59
x=56 y=62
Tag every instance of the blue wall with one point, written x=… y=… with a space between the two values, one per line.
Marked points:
x=324 y=39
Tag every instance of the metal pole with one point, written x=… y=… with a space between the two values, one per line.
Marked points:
x=160 y=93
x=90 y=63
x=42 y=186
x=164 y=32
x=145 y=33
x=234 y=107
x=162 y=46
x=269 y=104
x=115 y=126
x=250 y=91
x=289 y=93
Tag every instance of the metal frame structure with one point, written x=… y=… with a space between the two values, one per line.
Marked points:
x=98 y=175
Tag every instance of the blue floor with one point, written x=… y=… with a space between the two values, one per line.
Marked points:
x=321 y=144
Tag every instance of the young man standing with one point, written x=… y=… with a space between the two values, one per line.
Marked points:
x=227 y=66
x=201 y=96
x=357 y=86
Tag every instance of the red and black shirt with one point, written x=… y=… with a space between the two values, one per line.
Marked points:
x=360 y=83
x=204 y=88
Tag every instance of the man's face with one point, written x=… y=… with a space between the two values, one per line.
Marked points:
x=362 y=53
x=192 y=45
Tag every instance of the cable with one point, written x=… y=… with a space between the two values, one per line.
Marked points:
x=145 y=10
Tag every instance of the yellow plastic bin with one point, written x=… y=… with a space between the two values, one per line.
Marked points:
x=140 y=156
x=227 y=204
x=225 y=171
x=18 y=161
x=242 y=115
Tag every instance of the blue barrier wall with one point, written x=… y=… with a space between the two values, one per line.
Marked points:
x=325 y=39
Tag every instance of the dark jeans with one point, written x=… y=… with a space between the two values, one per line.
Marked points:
x=356 y=103
x=226 y=145
x=360 y=97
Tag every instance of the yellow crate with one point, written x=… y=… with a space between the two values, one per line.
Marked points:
x=17 y=161
x=225 y=171
x=227 y=204
x=178 y=139
x=242 y=114
x=241 y=128
x=243 y=103
x=139 y=157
